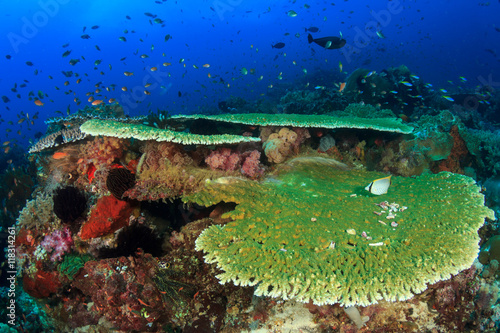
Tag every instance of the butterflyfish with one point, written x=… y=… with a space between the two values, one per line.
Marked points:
x=379 y=186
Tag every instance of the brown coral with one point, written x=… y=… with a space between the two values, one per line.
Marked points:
x=278 y=146
x=100 y=152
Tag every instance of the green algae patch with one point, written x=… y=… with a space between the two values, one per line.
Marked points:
x=314 y=233
x=308 y=121
x=121 y=130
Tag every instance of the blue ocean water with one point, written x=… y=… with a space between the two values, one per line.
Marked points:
x=439 y=41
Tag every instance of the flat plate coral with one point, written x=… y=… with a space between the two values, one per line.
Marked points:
x=314 y=233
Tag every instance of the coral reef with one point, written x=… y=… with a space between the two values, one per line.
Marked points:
x=97 y=156
x=37 y=213
x=223 y=159
x=278 y=224
x=308 y=121
x=312 y=101
x=142 y=132
x=394 y=88
x=72 y=263
x=280 y=145
x=57 y=244
x=180 y=208
x=228 y=160
x=42 y=284
x=108 y=215
x=58 y=138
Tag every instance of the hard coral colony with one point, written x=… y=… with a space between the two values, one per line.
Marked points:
x=138 y=233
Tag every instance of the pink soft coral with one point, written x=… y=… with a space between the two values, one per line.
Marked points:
x=57 y=244
x=223 y=159
x=251 y=166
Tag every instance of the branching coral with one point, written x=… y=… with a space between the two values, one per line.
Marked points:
x=37 y=212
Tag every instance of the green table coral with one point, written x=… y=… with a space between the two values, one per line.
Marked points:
x=309 y=121
x=121 y=130
x=314 y=233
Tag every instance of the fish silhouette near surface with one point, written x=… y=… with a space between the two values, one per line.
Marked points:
x=327 y=42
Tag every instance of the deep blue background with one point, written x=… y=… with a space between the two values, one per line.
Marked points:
x=438 y=40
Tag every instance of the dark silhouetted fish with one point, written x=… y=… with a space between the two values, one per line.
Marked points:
x=278 y=45
x=311 y=29
x=327 y=42
x=85 y=36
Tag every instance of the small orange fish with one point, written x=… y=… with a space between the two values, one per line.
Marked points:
x=38 y=102
x=128 y=73
x=342 y=87
x=59 y=155
x=209 y=75
x=206 y=65
x=97 y=102
x=91 y=98
x=142 y=302
x=147 y=92
x=111 y=100
x=147 y=85
x=124 y=89
x=167 y=64
x=153 y=69
x=79 y=80
x=66 y=83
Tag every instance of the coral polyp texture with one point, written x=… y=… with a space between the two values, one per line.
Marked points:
x=314 y=233
x=117 y=129
x=309 y=121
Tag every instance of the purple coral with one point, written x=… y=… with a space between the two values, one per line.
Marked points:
x=58 y=243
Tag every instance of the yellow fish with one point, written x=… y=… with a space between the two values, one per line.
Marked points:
x=379 y=186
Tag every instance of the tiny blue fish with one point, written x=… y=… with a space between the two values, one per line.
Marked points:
x=406 y=83
x=448 y=98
